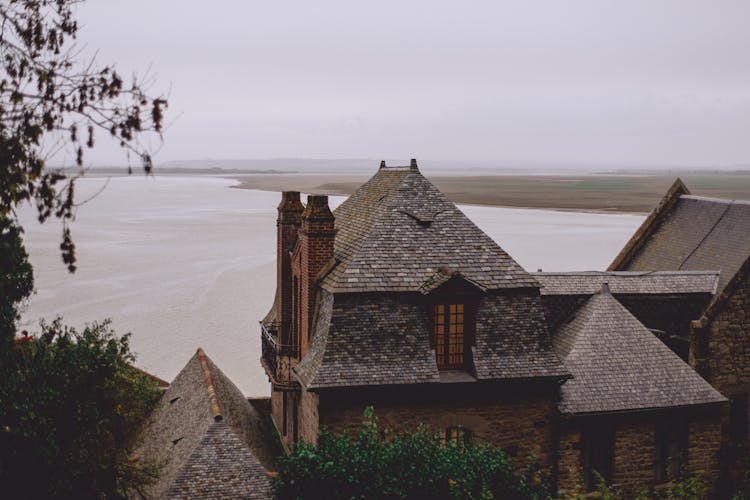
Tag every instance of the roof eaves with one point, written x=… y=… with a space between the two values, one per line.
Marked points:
x=649 y=409
x=648 y=226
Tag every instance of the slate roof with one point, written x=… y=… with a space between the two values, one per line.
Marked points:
x=384 y=339
x=397 y=230
x=209 y=440
x=619 y=365
x=687 y=232
x=628 y=282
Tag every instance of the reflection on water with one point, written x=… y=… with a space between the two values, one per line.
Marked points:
x=183 y=262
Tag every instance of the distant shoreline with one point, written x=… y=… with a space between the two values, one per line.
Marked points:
x=616 y=193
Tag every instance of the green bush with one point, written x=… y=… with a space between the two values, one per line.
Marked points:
x=376 y=463
x=70 y=406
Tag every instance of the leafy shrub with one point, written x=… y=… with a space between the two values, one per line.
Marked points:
x=376 y=463
x=70 y=406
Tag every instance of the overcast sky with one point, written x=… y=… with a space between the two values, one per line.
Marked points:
x=597 y=82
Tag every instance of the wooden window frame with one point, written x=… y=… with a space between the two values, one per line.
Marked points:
x=450 y=334
x=459 y=435
x=457 y=292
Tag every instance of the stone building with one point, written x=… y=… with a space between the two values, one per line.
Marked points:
x=398 y=301
x=687 y=232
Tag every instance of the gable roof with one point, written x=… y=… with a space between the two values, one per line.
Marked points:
x=397 y=230
x=689 y=232
x=628 y=282
x=208 y=439
x=619 y=365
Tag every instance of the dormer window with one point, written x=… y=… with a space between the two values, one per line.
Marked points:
x=449 y=326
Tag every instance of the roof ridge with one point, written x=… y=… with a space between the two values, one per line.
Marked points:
x=717 y=200
x=210 y=389
x=636 y=274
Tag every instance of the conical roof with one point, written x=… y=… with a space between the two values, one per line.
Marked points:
x=207 y=437
x=619 y=365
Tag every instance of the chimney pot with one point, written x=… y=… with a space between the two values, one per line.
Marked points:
x=382 y=164
x=413 y=164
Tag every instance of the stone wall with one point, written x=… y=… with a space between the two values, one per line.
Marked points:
x=704 y=439
x=635 y=448
x=518 y=419
x=308 y=415
x=720 y=352
x=728 y=344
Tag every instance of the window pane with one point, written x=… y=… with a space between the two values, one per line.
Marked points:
x=448 y=335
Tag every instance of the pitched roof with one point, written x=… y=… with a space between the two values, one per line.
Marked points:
x=397 y=230
x=619 y=365
x=209 y=440
x=689 y=232
x=628 y=282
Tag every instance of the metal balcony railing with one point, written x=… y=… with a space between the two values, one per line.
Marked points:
x=278 y=357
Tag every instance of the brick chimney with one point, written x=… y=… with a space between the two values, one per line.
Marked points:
x=316 y=248
x=287 y=227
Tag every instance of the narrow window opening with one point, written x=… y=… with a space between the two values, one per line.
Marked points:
x=597 y=455
x=283 y=414
x=738 y=418
x=671 y=450
x=295 y=314
x=457 y=435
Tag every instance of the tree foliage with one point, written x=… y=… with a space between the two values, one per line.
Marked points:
x=16 y=278
x=50 y=99
x=374 y=463
x=70 y=405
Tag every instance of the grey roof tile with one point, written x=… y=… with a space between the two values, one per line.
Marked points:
x=384 y=339
x=698 y=234
x=398 y=225
x=221 y=467
x=185 y=420
x=619 y=365
x=629 y=282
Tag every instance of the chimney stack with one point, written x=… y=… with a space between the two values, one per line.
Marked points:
x=413 y=164
x=287 y=227
x=317 y=235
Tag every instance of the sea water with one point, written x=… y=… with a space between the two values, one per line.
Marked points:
x=188 y=262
